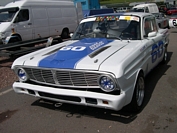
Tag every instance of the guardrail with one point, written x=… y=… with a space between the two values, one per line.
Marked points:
x=24 y=47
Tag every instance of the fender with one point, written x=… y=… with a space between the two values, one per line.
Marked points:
x=138 y=72
x=12 y=38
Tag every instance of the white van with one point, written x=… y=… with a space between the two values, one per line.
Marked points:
x=31 y=19
x=148 y=8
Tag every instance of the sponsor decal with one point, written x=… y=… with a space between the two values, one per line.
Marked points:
x=108 y=18
x=129 y=18
x=68 y=56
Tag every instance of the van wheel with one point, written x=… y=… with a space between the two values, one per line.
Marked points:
x=65 y=34
x=15 y=39
x=138 y=95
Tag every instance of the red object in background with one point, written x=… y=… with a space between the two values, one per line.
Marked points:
x=172 y=11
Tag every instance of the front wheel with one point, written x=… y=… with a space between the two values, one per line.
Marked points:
x=138 y=95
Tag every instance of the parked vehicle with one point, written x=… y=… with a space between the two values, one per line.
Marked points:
x=165 y=8
x=148 y=8
x=31 y=19
x=103 y=65
x=122 y=9
x=162 y=20
x=171 y=11
x=173 y=20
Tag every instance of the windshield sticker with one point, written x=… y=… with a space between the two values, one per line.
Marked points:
x=107 y=18
x=128 y=18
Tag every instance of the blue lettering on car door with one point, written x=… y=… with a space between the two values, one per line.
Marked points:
x=157 y=51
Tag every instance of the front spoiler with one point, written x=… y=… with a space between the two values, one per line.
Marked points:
x=107 y=101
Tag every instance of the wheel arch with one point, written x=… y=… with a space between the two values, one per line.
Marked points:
x=131 y=92
x=64 y=31
x=17 y=35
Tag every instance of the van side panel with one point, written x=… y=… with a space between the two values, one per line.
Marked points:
x=54 y=15
x=60 y=18
x=40 y=22
x=68 y=18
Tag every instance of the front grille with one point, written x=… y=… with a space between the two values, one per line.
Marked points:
x=64 y=78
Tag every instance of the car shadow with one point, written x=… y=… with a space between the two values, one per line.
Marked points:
x=123 y=116
x=153 y=77
x=86 y=111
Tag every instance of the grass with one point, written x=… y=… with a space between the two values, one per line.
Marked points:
x=106 y=2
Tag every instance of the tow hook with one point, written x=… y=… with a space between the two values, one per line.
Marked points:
x=57 y=105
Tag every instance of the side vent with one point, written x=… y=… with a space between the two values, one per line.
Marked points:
x=98 y=51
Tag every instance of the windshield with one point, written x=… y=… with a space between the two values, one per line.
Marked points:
x=110 y=27
x=138 y=10
x=7 y=14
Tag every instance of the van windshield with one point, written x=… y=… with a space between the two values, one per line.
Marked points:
x=7 y=14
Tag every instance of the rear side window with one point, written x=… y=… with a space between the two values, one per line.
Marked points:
x=23 y=15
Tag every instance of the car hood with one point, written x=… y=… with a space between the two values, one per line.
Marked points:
x=87 y=53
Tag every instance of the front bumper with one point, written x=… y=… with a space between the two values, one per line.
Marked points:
x=108 y=101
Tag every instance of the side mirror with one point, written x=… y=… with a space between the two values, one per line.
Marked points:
x=152 y=34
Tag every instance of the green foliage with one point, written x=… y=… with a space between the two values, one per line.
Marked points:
x=106 y=2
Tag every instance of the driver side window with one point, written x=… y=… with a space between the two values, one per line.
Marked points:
x=149 y=26
x=23 y=15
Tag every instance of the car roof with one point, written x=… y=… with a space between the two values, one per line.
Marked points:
x=140 y=14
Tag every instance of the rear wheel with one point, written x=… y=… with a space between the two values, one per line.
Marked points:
x=65 y=34
x=138 y=95
x=165 y=56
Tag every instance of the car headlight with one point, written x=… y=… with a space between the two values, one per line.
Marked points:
x=22 y=75
x=107 y=83
x=2 y=35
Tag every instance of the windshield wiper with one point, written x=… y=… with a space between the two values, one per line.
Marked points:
x=114 y=36
x=80 y=33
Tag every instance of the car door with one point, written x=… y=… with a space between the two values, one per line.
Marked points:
x=23 y=24
x=154 y=44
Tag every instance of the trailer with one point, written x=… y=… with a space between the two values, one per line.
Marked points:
x=23 y=47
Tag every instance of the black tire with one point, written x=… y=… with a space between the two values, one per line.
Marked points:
x=165 y=56
x=159 y=25
x=65 y=34
x=138 y=95
x=168 y=27
x=15 y=39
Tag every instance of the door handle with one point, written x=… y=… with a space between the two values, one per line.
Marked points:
x=29 y=23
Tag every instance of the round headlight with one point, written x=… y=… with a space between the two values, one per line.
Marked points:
x=107 y=83
x=22 y=74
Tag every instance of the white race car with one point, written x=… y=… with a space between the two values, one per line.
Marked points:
x=173 y=21
x=103 y=65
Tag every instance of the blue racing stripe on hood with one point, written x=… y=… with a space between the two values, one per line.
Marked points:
x=68 y=56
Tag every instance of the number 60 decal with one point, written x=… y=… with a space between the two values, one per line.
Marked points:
x=76 y=48
x=157 y=51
